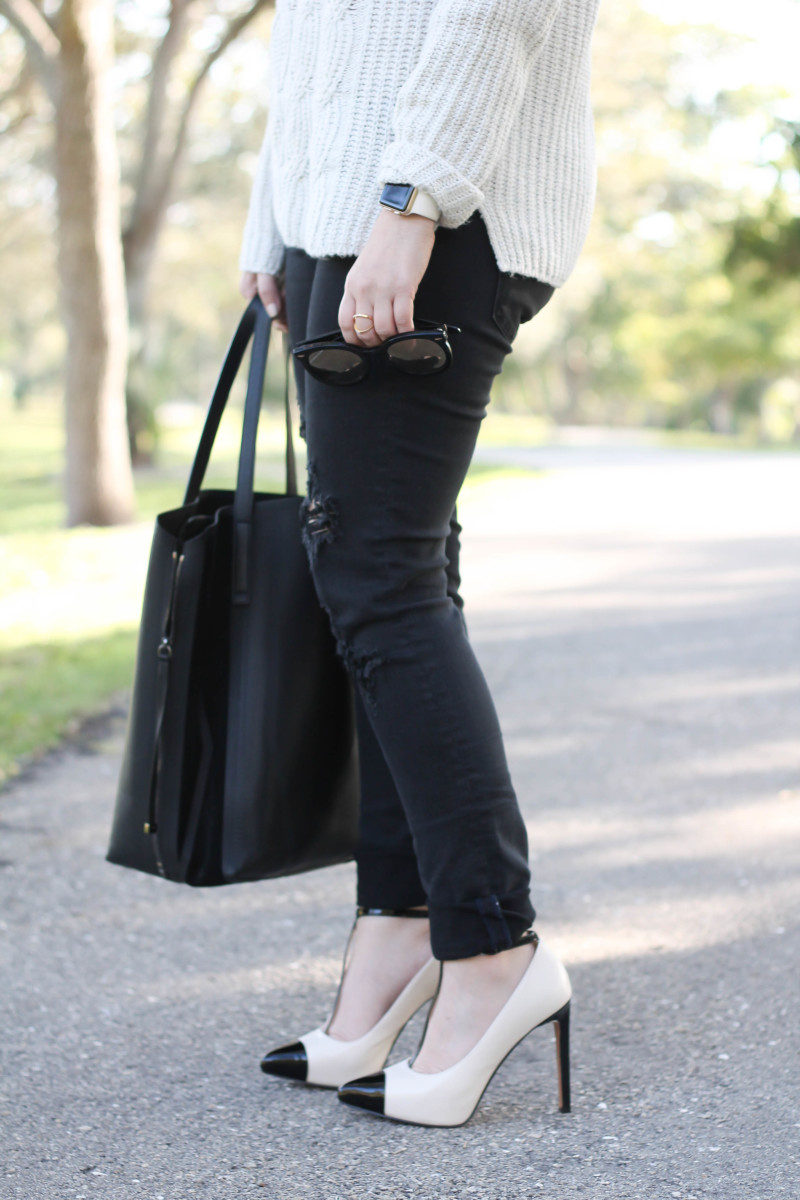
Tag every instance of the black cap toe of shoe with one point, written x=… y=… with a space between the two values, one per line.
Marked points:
x=291 y=1062
x=367 y=1092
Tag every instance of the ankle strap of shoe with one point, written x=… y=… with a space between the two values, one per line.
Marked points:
x=364 y=910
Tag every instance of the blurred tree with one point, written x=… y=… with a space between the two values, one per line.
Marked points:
x=660 y=324
x=70 y=50
x=765 y=245
x=174 y=89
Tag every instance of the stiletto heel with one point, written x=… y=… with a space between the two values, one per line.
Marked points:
x=450 y=1097
x=317 y=1058
x=561 y=1029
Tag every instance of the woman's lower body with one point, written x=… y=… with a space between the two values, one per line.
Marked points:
x=440 y=823
x=440 y=826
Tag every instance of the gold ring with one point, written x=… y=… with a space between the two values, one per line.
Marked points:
x=366 y=317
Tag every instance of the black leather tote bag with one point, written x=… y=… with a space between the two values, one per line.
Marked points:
x=240 y=759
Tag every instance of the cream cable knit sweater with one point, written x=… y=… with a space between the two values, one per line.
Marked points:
x=483 y=103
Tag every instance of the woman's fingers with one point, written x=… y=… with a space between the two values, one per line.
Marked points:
x=389 y=313
x=347 y=310
x=383 y=318
x=272 y=294
x=356 y=312
x=382 y=282
x=404 y=312
x=359 y=302
x=248 y=285
x=379 y=309
x=365 y=321
x=273 y=299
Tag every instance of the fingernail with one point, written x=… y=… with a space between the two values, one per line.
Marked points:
x=272 y=309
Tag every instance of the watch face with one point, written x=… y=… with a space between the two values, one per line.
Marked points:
x=397 y=195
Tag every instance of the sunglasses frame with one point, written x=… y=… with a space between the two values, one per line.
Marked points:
x=435 y=331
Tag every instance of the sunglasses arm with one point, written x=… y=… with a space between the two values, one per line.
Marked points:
x=336 y=334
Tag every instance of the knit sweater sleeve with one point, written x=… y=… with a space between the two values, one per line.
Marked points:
x=262 y=246
x=453 y=114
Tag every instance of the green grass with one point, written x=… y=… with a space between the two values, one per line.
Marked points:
x=70 y=598
x=47 y=687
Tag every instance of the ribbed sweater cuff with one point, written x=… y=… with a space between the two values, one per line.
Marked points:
x=408 y=162
x=264 y=256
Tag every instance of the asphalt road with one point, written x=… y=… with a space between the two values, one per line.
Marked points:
x=637 y=614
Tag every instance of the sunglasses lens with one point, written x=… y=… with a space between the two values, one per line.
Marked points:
x=417 y=356
x=334 y=364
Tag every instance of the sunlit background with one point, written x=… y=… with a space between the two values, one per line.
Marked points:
x=682 y=317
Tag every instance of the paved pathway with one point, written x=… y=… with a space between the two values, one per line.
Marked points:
x=637 y=616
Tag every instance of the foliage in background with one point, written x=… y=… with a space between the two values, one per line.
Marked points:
x=682 y=312
x=657 y=326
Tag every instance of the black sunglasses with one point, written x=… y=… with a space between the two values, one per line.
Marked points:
x=422 y=351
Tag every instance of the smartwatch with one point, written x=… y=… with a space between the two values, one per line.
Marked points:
x=406 y=199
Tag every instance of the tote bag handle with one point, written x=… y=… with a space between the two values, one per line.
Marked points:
x=257 y=323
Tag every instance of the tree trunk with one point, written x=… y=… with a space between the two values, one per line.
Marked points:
x=99 y=478
x=139 y=255
x=720 y=409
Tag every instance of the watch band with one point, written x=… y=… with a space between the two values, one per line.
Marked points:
x=406 y=199
x=424 y=204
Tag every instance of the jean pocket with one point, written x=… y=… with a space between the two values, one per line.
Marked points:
x=518 y=298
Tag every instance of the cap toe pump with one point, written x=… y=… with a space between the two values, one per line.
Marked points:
x=368 y=1092
x=450 y=1097
x=317 y=1058
x=290 y=1062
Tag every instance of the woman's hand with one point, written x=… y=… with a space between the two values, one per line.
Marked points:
x=271 y=292
x=383 y=280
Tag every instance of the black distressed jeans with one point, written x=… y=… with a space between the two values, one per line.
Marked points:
x=439 y=818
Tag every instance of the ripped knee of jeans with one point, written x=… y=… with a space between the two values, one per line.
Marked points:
x=362 y=664
x=319 y=515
